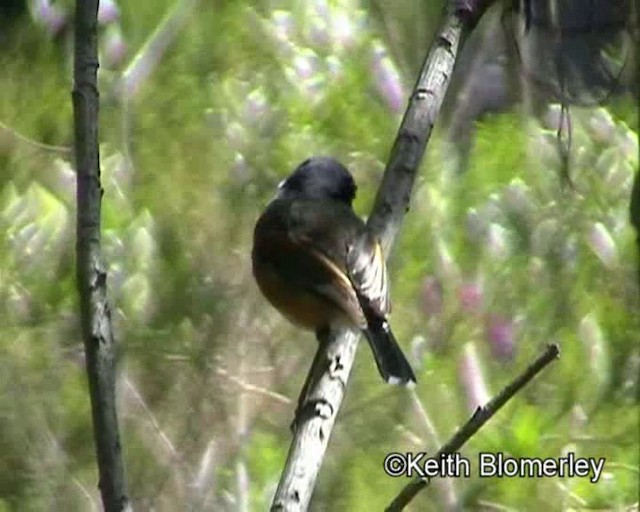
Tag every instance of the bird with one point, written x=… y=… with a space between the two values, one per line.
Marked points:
x=317 y=263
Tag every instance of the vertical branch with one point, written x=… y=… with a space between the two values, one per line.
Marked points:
x=634 y=214
x=92 y=287
x=332 y=366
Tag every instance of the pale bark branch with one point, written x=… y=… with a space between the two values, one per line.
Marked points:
x=330 y=374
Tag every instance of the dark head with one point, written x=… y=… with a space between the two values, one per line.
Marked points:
x=319 y=178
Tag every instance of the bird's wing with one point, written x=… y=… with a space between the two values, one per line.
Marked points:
x=368 y=272
x=340 y=239
x=338 y=288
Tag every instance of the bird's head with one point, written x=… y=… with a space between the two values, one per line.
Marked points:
x=319 y=178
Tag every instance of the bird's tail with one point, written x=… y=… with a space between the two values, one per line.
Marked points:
x=391 y=362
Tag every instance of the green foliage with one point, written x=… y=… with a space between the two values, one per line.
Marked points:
x=491 y=265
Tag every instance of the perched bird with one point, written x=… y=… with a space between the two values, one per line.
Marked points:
x=316 y=262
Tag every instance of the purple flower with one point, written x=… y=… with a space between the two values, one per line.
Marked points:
x=387 y=79
x=240 y=171
x=51 y=16
x=282 y=25
x=595 y=345
x=115 y=47
x=319 y=19
x=499 y=332
x=431 y=297
x=628 y=145
x=517 y=197
x=108 y=12
x=305 y=73
x=305 y=64
x=344 y=29
x=497 y=242
x=602 y=244
x=256 y=107
x=602 y=127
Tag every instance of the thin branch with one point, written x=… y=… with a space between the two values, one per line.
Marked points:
x=205 y=472
x=446 y=486
x=34 y=143
x=424 y=418
x=147 y=59
x=475 y=423
x=85 y=493
x=95 y=312
x=155 y=424
x=328 y=378
x=252 y=388
x=242 y=486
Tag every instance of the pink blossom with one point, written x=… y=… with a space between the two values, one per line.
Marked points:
x=470 y=296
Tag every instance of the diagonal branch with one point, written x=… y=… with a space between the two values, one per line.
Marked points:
x=475 y=423
x=95 y=313
x=328 y=378
x=147 y=59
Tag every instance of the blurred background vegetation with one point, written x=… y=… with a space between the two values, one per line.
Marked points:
x=206 y=106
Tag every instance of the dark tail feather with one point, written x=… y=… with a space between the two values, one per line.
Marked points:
x=392 y=364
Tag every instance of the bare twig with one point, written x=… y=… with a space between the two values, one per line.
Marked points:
x=330 y=375
x=155 y=424
x=34 y=143
x=247 y=387
x=95 y=312
x=242 y=427
x=83 y=490
x=204 y=481
x=479 y=418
